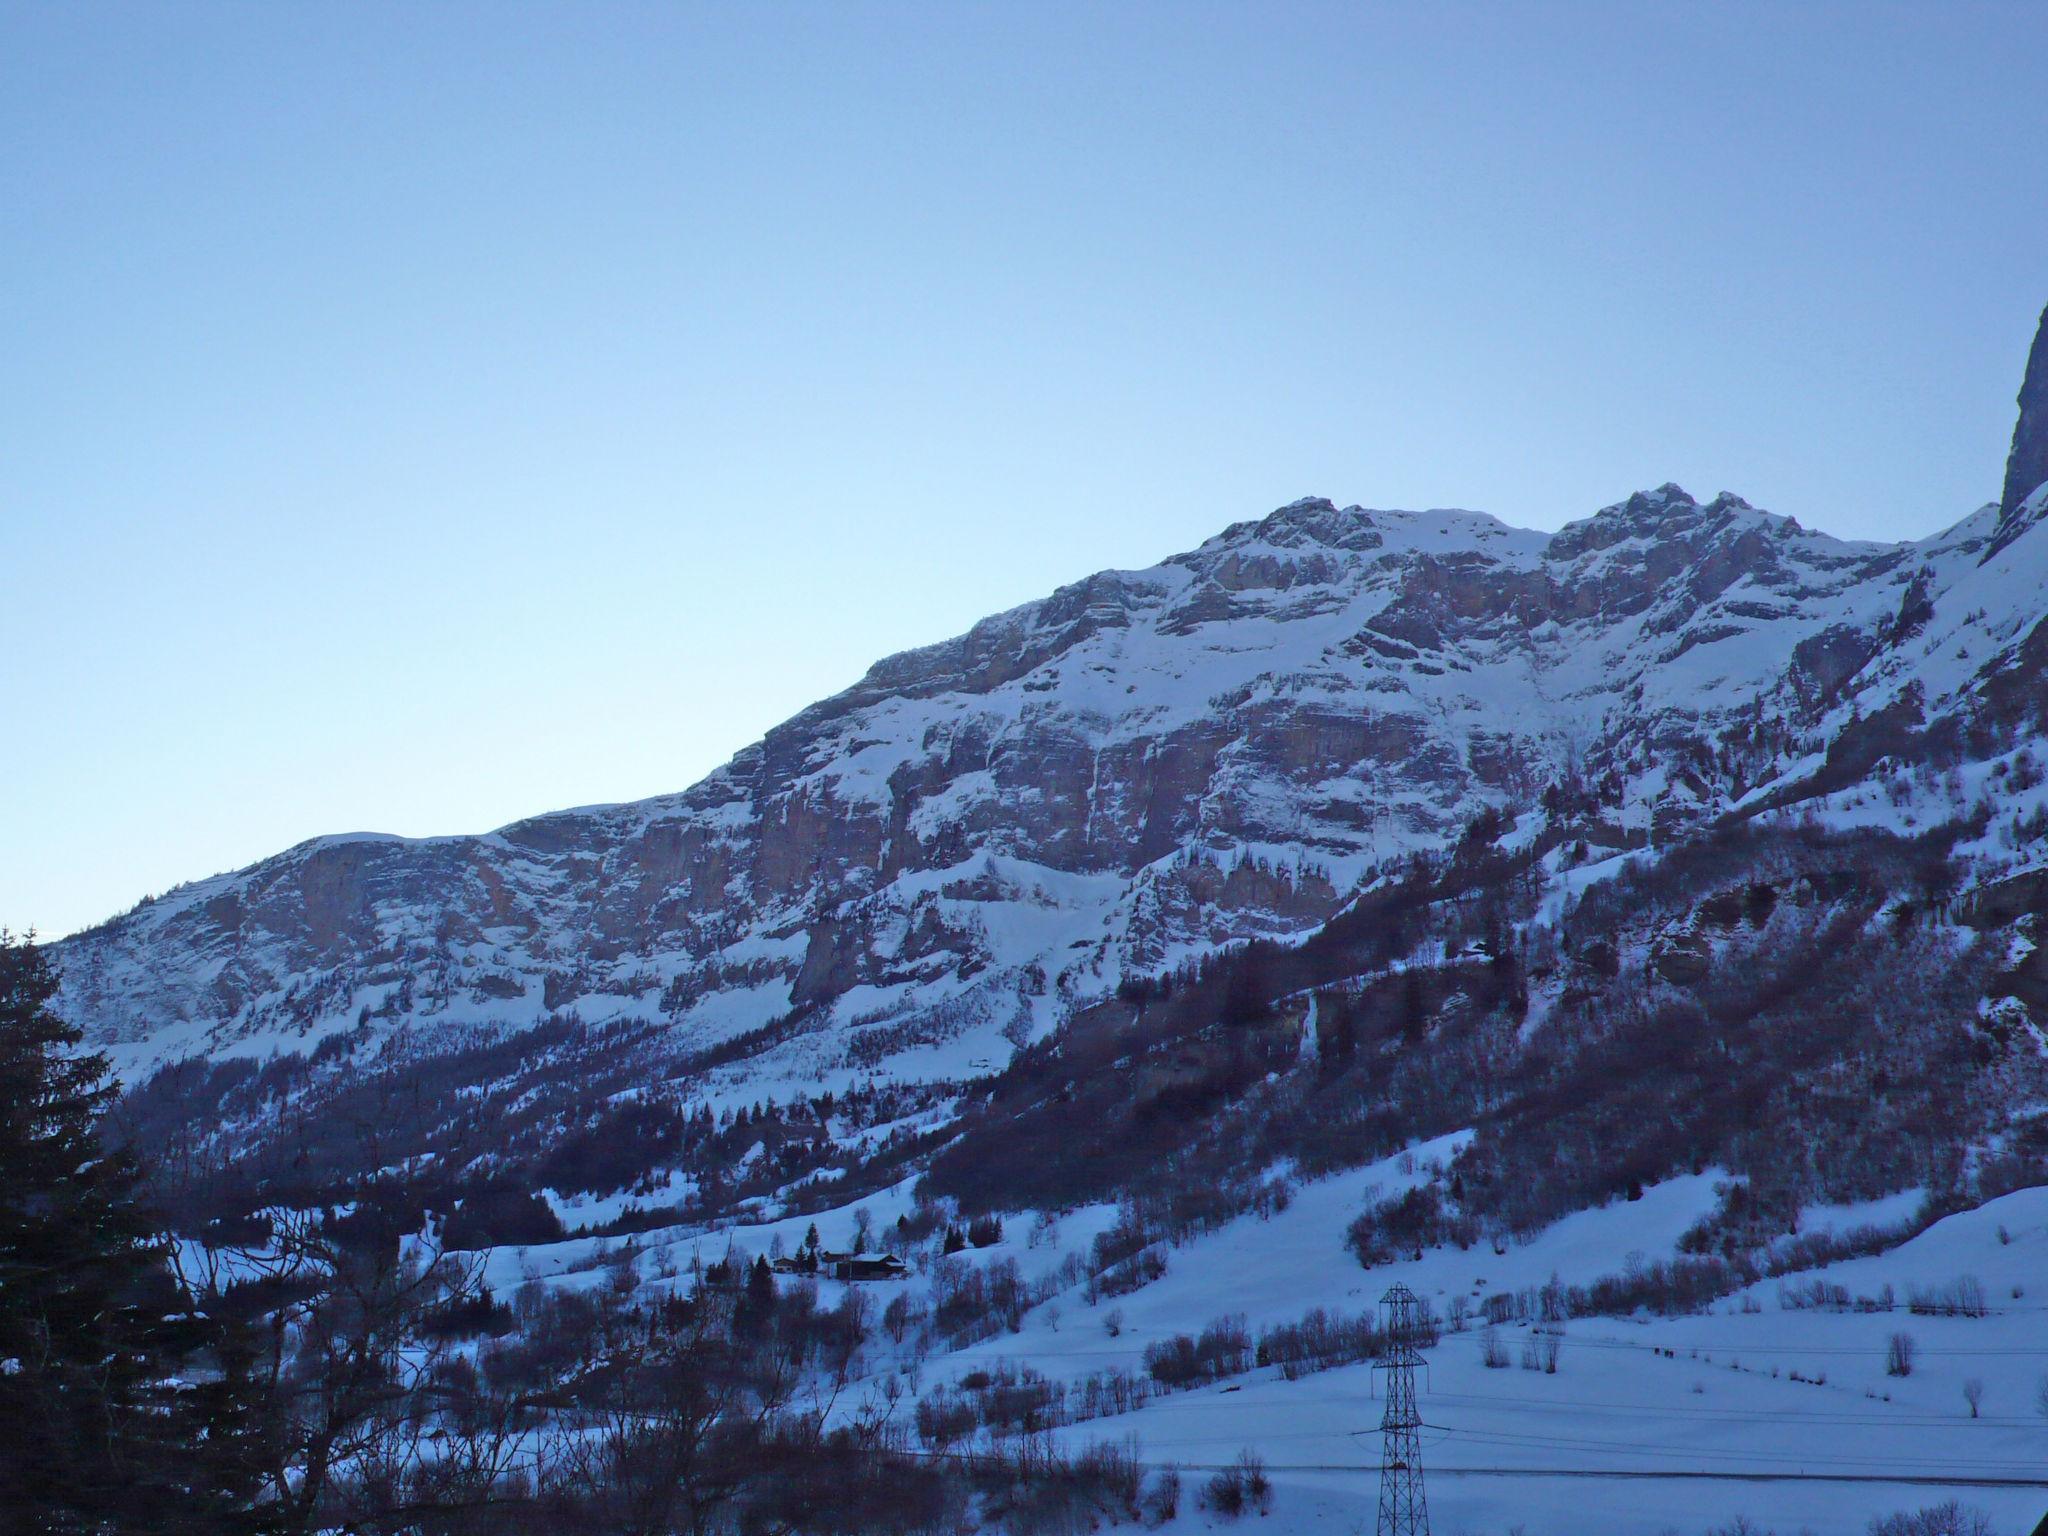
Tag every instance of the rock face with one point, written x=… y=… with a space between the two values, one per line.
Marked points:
x=2026 y=469
x=944 y=861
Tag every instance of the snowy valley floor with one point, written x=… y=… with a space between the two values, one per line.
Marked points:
x=1785 y=1416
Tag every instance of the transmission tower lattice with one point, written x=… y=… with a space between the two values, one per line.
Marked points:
x=1403 y=1511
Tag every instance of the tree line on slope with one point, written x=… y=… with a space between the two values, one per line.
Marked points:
x=1832 y=1043
x=476 y=1124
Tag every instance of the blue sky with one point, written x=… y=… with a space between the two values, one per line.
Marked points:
x=412 y=418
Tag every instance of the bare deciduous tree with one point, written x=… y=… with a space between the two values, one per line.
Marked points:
x=666 y=1442
x=368 y=1413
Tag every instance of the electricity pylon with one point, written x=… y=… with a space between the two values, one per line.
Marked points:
x=1403 y=1511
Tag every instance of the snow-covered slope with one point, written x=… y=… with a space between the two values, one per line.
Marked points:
x=1759 y=1405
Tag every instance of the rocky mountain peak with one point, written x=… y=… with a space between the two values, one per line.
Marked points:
x=2026 y=468
x=1665 y=512
x=1306 y=522
x=1668 y=497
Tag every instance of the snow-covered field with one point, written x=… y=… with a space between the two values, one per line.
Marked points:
x=1787 y=1416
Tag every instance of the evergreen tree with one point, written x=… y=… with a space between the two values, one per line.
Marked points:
x=1414 y=1008
x=755 y=1310
x=761 y=1284
x=101 y=1435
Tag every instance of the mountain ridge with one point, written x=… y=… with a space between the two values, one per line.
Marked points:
x=1373 y=646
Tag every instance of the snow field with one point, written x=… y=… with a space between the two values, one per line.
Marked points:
x=1648 y=1425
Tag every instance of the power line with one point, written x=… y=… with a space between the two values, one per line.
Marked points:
x=1167 y=1405
x=1618 y=1448
x=1737 y=1350
x=1702 y=1417
x=1515 y=1438
x=1708 y=1414
x=1613 y=1474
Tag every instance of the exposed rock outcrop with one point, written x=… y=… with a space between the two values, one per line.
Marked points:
x=2026 y=467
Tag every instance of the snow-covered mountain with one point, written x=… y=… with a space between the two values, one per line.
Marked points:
x=1642 y=927
x=1390 y=746
x=1144 y=765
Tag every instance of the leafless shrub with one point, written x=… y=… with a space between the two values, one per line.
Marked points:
x=1112 y=1466
x=1162 y=1500
x=1103 y=1394
x=1224 y=1348
x=1898 y=1354
x=1961 y=1297
x=1945 y=1519
x=1240 y=1487
x=1320 y=1341
x=1134 y=1273
x=1493 y=1352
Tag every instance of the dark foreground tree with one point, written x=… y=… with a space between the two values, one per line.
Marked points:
x=123 y=1408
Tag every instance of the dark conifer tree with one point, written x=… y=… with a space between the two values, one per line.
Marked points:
x=761 y=1284
x=756 y=1308
x=103 y=1433
x=1414 y=1008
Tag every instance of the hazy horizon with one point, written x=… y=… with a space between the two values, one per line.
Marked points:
x=415 y=421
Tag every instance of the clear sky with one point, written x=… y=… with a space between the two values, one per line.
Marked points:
x=416 y=417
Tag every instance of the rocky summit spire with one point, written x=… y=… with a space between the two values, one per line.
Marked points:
x=2027 y=467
